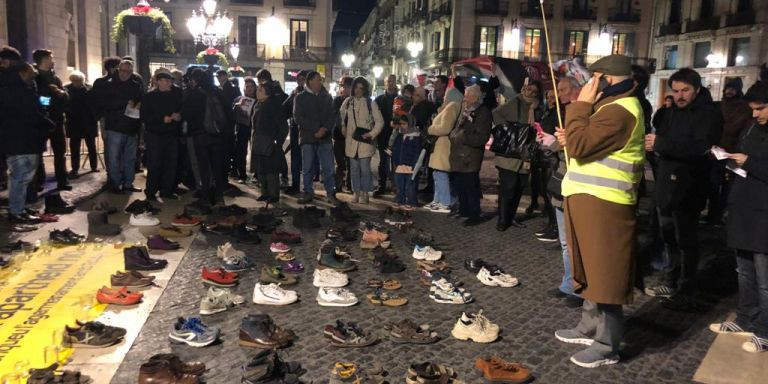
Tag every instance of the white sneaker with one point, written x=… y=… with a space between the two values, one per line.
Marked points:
x=329 y=278
x=426 y=253
x=430 y=205
x=272 y=294
x=454 y=296
x=439 y=208
x=227 y=293
x=144 y=220
x=227 y=250
x=496 y=279
x=218 y=300
x=336 y=297
x=445 y=285
x=481 y=318
x=475 y=330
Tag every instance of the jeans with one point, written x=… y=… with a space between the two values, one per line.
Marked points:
x=74 y=152
x=121 y=158
x=753 y=292
x=323 y=152
x=468 y=190
x=22 y=170
x=162 y=155
x=406 y=189
x=360 y=174
x=442 y=194
x=296 y=168
x=567 y=284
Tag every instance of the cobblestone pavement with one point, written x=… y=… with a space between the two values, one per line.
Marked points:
x=662 y=346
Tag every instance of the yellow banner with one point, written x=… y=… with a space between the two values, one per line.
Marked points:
x=41 y=292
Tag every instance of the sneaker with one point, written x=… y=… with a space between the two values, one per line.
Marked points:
x=236 y=264
x=590 y=358
x=496 y=278
x=440 y=208
x=275 y=275
x=90 y=337
x=273 y=294
x=550 y=237
x=479 y=317
x=144 y=220
x=348 y=335
x=185 y=220
x=335 y=297
x=440 y=282
x=729 y=327
x=219 y=277
x=329 y=278
x=454 y=296
x=660 y=291
x=219 y=300
x=429 y=206
x=279 y=247
x=293 y=266
x=467 y=328
x=193 y=332
x=426 y=253
x=573 y=336
x=755 y=345
x=227 y=250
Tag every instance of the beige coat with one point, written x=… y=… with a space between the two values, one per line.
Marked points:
x=360 y=115
x=442 y=125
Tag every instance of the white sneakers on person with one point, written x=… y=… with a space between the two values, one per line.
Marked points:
x=426 y=253
x=144 y=220
x=471 y=327
x=439 y=208
x=496 y=278
x=329 y=278
x=227 y=250
x=336 y=297
x=273 y=294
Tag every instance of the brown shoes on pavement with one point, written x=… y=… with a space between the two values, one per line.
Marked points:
x=497 y=370
x=167 y=368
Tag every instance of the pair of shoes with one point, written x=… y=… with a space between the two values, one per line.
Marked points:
x=160 y=243
x=260 y=331
x=494 y=276
x=329 y=257
x=137 y=259
x=168 y=368
x=193 y=332
x=446 y=292
x=267 y=367
x=120 y=296
x=348 y=335
x=551 y=235
x=386 y=261
x=378 y=297
x=475 y=327
x=131 y=279
x=17 y=246
x=98 y=224
x=145 y=219
x=335 y=297
x=219 y=300
x=498 y=370
x=344 y=372
x=273 y=294
x=286 y=237
x=408 y=332
x=64 y=238
x=24 y=218
x=92 y=335
x=430 y=373
x=329 y=278
x=275 y=275
x=426 y=253
x=218 y=277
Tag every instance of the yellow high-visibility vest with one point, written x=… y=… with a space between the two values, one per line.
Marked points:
x=616 y=177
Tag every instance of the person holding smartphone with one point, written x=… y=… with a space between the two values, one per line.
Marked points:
x=53 y=98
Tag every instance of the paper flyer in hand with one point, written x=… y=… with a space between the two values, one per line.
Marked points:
x=719 y=153
x=132 y=112
x=246 y=103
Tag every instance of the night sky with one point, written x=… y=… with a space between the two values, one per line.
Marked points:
x=352 y=14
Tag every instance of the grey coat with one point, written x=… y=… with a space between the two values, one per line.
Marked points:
x=468 y=141
x=312 y=111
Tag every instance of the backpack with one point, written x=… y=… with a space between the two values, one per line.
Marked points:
x=215 y=117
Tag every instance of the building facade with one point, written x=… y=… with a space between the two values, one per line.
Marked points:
x=284 y=36
x=452 y=30
x=72 y=29
x=721 y=39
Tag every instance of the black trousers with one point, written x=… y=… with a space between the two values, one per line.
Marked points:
x=468 y=191
x=228 y=152
x=342 y=163
x=59 y=147
x=679 y=232
x=162 y=156
x=242 y=138
x=719 y=189
x=210 y=160
x=74 y=152
x=511 y=186
x=3 y=169
x=270 y=185
x=549 y=209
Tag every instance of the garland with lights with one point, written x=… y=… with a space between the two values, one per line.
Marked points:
x=120 y=32
x=223 y=62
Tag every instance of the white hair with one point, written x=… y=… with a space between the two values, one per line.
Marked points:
x=476 y=90
x=76 y=75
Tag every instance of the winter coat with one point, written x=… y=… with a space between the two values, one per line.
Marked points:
x=385 y=102
x=422 y=112
x=354 y=113
x=156 y=106
x=269 y=121
x=44 y=81
x=683 y=141
x=80 y=119
x=23 y=126
x=468 y=140
x=112 y=99
x=311 y=112
x=442 y=125
x=515 y=110
x=737 y=117
x=194 y=106
x=406 y=150
x=747 y=224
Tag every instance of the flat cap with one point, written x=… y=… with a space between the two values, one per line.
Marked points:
x=163 y=75
x=613 y=65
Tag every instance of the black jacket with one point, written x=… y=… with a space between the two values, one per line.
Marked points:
x=193 y=109
x=337 y=135
x=386 y=103
x=112 y=97
x=156 y=106
x=269 y=122
x=311 y=112
x=468 y=140
x=747 y=224
x=44 y=81
x=80 y=119
x=288 y=102
x=683 y=140
x=231 y=92
x=23 y=125
x=422 y=113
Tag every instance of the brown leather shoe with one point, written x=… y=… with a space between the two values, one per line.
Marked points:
x=178 y=366
x=160 y=372
x=247 y=340
x=496 y=369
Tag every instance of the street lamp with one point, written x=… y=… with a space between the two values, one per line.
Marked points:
x=208 y=26
x=347 y=59
x=377 y=71
x=234 y=50
x=415 y=46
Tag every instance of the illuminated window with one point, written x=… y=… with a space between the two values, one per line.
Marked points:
x=299 y=35
x=577 y=43
x=532 y=43
x=488 y=38
x=619 y=46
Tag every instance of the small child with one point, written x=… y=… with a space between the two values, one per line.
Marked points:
x=405 y=153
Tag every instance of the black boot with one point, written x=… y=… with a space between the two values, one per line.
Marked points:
x=99 y=226
x=137 y=259
x=56 y=205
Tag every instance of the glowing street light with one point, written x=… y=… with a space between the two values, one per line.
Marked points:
x=234 y=50
x=347 y=59
x=208 y=26
x=415 y=47
x=377 y=71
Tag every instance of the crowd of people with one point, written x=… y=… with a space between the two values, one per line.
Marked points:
x=583 y=163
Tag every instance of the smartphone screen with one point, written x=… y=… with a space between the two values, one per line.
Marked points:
x=45 y=101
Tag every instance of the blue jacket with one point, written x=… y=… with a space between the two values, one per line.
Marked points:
x=406 y=150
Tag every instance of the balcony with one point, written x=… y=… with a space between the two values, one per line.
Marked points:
x=308 y=54
x=707 y=23
x=256 y=52
x=419 y=15
x=247 y=2
x=531 y=12
x=445 y=56
x=442 y=10
x=670 y=29
x=580 y=14
x=736 y=19
x=492 y=7
x=299 y=3
x=624 y=18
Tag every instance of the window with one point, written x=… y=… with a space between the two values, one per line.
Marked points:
x=707 y=9
x=447 y=38
x=435 y=41
x=700 y=52
x=625 y=7
x=532 y=43
x=675 y=12
x=246 y=30
x=488 y=40
x=670 y=57
x=69 y=6
x=619 y=46
x=738 y=52
x=577 y=43
x=299 y=33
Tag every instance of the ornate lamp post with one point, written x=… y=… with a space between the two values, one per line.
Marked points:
x=347 y=59
x=210 y=28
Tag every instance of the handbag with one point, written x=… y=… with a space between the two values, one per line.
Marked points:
x=514 y=140
x=360 y=131
x=262 y=145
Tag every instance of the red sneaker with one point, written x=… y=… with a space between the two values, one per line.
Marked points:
x=122 y=290
x=219 y=277
x=116 y=297
x=185 y=220
x=286 y=237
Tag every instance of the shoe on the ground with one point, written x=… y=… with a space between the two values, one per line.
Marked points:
x=24 y=218
x=90 y=337
x=64 y=238
x=96 y=326
x=729 y=327
x=305 y=198
x=131 y=279
x=329 y=278
x=178 y=366
x=144 y=220
x=335 y=297
x=160 y=243
x=273 y=294
x=185 y=220
x=259 y=331
x=161 y=371
x=495 y=277
x=573 y=336
x=591 y=358
x=469 y=327
x=454 y=296
x=173 y=232
x=279 y=247
x=193 y=332
x=348 y=335
x=340 y=233
x=344 y=372
x=497 y=370
x=378 y=297
x=275 y=275
x=117 y=296
x=219 y=300
x=755 y=344
x=481 y=319
x=407 y=332
x=293 y=266
x=327 y=257
x=227 y=250
x=286 y=237
x=660 y=291
x=98 y=225
x=429 y=373
x=236 y=263
x=550 y=237
x=219 y=277
x=137 y=259
x=246 y=234
x=426 y=253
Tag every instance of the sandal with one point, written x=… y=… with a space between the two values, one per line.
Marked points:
x=285 y=256
x=374 y=283
x=432 y=265
x=391 y=284
x=381 y=298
